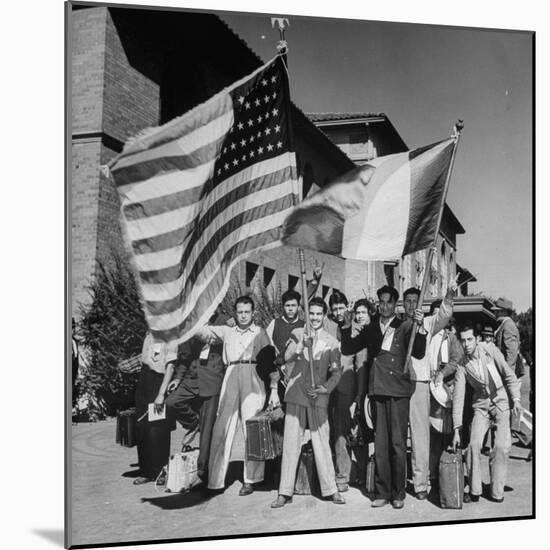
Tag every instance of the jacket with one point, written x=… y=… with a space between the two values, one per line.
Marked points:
x=507 y=341
x=386 y=355
x=468 y=371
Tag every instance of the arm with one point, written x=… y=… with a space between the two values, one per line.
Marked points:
x=441 y=319
x=350 y=345
x=419 y=345
x=212 y=334
x=159 y=400
x=458 y=397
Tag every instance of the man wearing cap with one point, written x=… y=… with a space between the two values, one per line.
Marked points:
x=389 y=384
x=488 y=335
x=421 y=374
x=242 y=394
x=494 y=385
x=507 y=333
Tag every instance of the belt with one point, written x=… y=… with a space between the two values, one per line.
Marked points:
x=243 y=362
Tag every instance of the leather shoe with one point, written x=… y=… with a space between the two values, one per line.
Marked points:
x=379 y=502
x=494 y=499
x=141 y=480
x=422 y=495
x=246 y=489
x=280 y=501
x=398 y=504
x=337 y=498
x=342 y=487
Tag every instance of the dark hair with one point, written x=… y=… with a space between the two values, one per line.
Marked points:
x=451 y=323
x=468 y=325
x=412 y=290
x=362 y=302
x=316 y=301
x=434 y=304
x=244 y=300
x=388 y=290
x=337 y=297
x=290 y=295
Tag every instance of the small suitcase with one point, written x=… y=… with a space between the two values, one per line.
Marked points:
x=264 y=439
x=369 y=485
x=451 y=480
x=307 y=481
x=126 y=428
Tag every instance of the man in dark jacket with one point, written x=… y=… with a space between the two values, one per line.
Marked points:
x=386 y=339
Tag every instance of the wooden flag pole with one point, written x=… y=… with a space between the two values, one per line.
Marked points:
x=457 y=131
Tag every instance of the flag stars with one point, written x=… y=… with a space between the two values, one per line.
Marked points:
x=240 y=126
x=235 y=162
x=247 y=105
x=226 y=166
x=259 y=134
x=251 y=154
x=233 y=146
x=277 y=128
x=275 y=112
x=257 y=102
x=243 y=142
x=266 y=98
x=250 y=122
x=264 y=82
x=241 y=100
x=244 y=157
x=273 y=79
x=270 y=147
x=267 y=131
x=274 y=95
x=279 y=144
x=260 y=150
x=259 y=119
x=219 y=171
x=251 y=139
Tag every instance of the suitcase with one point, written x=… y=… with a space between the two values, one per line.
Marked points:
x=369 y=484
x=307 y=481
x=126 y=428
x=451 y=480
x=264 y=436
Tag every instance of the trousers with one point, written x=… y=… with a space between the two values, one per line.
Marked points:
x=419 y=420
x=498 y=457
x=242 y=395
x=295 y=425
x=340 y=427
x=390 y=447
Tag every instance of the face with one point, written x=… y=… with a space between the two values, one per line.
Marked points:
x=316 y=316
x=469 y=341
x=290 y=308
x=410 y=302
x=386 y=305
x=362 y=316
x=338 y=311
x=244 y=314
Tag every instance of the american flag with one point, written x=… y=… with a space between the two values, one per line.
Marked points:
x=202 y=192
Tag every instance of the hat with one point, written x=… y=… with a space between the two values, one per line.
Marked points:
x=503 y=303
x=442 y=394
x=369 y=416
x=487 y=331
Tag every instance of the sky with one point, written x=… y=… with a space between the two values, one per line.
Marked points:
x=424 y=78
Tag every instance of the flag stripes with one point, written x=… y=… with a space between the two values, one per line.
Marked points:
x=202 y=192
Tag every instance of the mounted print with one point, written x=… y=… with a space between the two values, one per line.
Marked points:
x=300 y=274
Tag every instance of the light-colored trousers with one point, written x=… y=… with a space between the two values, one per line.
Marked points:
x=242 y=396
x=419 y=421
x=295 y=425
x=498 y=457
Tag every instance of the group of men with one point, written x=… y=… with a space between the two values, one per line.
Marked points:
x=232 y=370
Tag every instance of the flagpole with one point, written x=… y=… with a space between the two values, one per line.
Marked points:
x=457 y=132
x=282 y=48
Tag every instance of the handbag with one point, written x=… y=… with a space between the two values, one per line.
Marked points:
x=181 y=471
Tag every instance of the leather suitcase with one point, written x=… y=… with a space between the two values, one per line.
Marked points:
x=307 y=481
x=263 y=437
x=126 y=428
x=369 y=485
x=451 y=480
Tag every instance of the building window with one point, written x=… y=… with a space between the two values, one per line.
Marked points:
x=251 y=269
x=389 y=272
x=325 y=291
x=268 y=276
x=292 y=282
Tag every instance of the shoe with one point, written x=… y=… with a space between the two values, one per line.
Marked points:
x=494 y=499
x=342 y=487
x=280 y=501
x=379 y=502
x=246 y=489
x=141 y=480
x=398 y=504
x=422 y=495
x=474 y=498
x=337 y=498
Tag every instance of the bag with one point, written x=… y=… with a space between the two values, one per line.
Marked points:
x=369 y=485
x=126 y=428
x=451 y=480
x=182 y=471
x=307 y=481
x=264 y=435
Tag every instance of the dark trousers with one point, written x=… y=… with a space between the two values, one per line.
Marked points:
x=340 y=428
x=191 y=411
x=390 y=447
x=152 y=438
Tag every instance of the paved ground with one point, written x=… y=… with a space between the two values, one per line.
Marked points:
x=107 y=507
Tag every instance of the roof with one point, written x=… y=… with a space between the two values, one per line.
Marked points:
x=449 y=214
x=465 y=274
x=326 y=117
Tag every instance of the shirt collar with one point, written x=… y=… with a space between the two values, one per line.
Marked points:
x=249 y=328
x=296 y=319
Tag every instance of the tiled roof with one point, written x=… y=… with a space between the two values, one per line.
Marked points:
x=321 y=117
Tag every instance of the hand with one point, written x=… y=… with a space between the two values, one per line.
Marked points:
x=318 y=271
x=419 y=316
x=456 y=440
x=452 y=286
x=317 y=390
x=438 y=380
x=230 y=322
x=159 y=403
x=517 y=409
x=346 y=322
x=307 y=341
x=274 y=376
x=173 y=385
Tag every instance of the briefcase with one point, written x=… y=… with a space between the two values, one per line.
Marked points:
x=126 y=428
x=369 y=485
x=264 y=436
x=451 y=480
x=307 y=481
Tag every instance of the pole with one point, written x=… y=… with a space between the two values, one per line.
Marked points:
x=457 y=131
x=306 y=312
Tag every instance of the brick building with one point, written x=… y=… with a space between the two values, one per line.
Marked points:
x=130 y=69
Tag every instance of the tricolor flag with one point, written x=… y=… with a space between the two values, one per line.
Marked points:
x=379 y=211
x=202 y=192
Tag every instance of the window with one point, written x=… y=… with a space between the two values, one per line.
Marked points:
x=292 y=282
x=251 y=269
x=389 y=272
x=325 y=291
x=268 y=275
